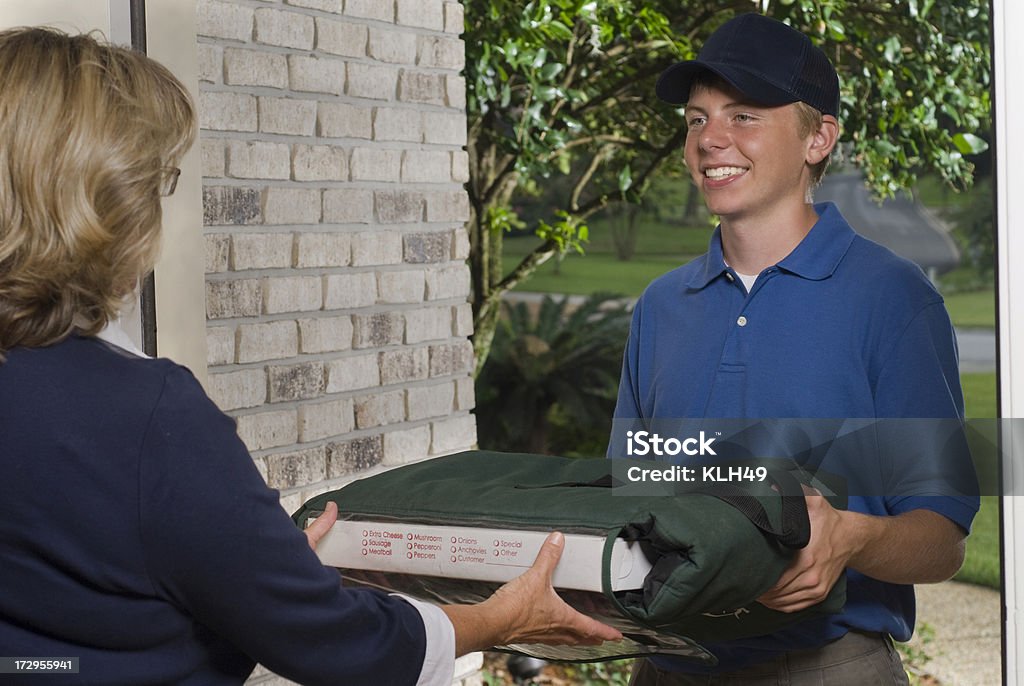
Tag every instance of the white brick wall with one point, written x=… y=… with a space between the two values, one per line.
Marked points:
x=332 y=145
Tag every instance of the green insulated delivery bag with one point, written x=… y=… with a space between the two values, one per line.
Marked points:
x=670 y=564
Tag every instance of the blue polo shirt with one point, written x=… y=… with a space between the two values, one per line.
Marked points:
x=840 y=328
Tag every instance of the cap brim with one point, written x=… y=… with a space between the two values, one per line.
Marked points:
x=674 y=84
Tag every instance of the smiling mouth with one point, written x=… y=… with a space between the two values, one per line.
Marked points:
x=723 y=172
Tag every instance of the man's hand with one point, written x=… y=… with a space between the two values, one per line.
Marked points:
x=322 y=524
x=816 y=567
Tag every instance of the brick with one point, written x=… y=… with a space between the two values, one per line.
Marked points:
x=284 y=28
x=421 y=88
x=291 y=206
x=220 y=345
x=449 y=359
x=403 y=365
x=292 y=294
x=316 y=74
x=445 y=128
x=377 y=330
x=380 y=409
x=289 y=116
x=240 y=298
x=267 y=341
x=430 y=401
x=371 y=9
x=237 y=390
x=450 y=206
x=269 y=429
x=323 y=420
x=427 y=324
x=224 y=20
x=338 y=120
x=440 y=52
x=375 y=248
x=427 y=14
x=372 y=81
x=426 y=166
x=448 y=282
x=397 y=207
x=211 y=63
x=231 y=205
x=227 y=111
x=348 y=206
x=350 y=291
x=463 y=316
x=454 y=18
x=353 y=373
x=212 y=157
x=357 y=455
x=406 y=446
x=455 y=91
x=323 y=250
x=341 y=37
x=295 y=381
x=217 y=249
x=327 y=334
x=465 y=394
x=451 y=435
x=460 y=166
x=290 y=470
x=319 y=163
x=421 y=248
x=255 y=68
x=460 y=244
x=375 y=164
x=322 y=5
x=258 y=160
x=397 y=124
x=389 y=45
x=400 y=287
x=261 y=251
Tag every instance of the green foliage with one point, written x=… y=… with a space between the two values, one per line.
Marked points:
x=564 y=89
x=611 y=673
x=558 y=364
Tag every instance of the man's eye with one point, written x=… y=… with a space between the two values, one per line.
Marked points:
x=743 y=118
x=695 y=121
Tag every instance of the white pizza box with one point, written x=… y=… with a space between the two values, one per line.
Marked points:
x=483 y=554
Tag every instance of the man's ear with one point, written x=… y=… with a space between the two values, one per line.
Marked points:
x=823 y=140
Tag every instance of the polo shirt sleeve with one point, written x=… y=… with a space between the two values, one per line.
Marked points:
x=218 y=545
x=919 y=378
x=627 y=405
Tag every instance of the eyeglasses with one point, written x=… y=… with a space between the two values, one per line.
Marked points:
x=169 y=180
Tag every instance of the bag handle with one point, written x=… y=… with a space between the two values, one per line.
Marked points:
x=795 y=529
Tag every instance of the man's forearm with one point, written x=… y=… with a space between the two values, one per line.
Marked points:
x=917 y=547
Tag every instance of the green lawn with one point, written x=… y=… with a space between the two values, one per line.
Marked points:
x=973 y=309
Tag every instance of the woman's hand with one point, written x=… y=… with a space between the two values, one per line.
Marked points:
x=527 y=610
x=322 y=524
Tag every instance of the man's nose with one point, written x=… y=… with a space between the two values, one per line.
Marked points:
x=713 y=135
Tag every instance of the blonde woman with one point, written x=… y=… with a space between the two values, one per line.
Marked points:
x=135 y=532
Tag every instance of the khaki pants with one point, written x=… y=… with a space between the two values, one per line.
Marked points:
x=856 y=659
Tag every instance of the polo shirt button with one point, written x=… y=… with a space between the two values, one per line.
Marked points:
x=742 y=321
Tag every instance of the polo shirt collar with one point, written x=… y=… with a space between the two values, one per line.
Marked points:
x=815 y=258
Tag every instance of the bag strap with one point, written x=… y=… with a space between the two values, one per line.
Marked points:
x=795 y=529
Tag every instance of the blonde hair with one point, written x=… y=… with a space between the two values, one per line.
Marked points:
x=87 y=133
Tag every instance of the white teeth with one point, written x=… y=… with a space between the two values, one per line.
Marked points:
x=722 y=172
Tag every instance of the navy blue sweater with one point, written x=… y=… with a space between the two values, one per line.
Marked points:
x=137 y=535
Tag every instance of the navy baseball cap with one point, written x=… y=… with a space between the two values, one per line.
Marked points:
x=765 y=60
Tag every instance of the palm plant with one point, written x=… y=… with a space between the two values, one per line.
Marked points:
x=556 y=365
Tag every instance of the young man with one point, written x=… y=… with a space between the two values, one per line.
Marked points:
x=790 y=314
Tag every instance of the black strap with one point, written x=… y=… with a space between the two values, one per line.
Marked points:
x=795 y=529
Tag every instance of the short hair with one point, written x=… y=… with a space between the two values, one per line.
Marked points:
x=808 y=118
x=88 y=131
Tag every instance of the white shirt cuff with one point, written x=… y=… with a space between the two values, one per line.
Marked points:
x=439 y=658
